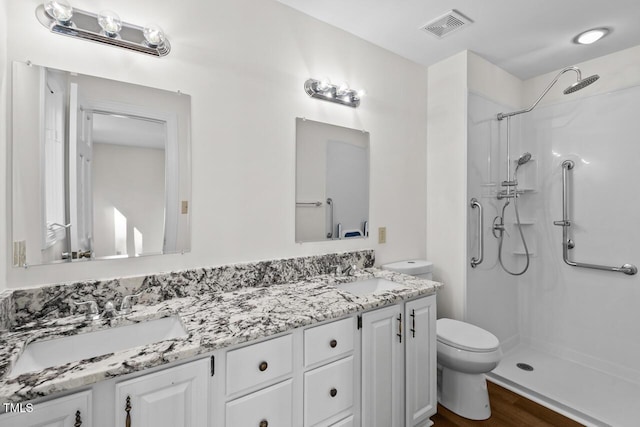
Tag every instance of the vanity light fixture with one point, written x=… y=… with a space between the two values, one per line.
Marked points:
x=341 y=93
x=591 y=36
x=105 y=27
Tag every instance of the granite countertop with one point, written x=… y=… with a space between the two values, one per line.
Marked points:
x=213 y=321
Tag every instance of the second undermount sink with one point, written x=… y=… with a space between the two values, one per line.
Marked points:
x=40 y=355
x=370 y=286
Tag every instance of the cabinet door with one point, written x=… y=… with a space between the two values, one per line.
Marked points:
x=174 y=397
x=382 y=368
x=68 y=411
x=420 y=348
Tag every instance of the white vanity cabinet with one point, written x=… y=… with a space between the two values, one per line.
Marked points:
x=174 y=397
x=307 y=377
x=69 y=411
x=399 y=364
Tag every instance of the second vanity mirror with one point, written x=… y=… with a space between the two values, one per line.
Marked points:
x=101 y=168
x=332 y=182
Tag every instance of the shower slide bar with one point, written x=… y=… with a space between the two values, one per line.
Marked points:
x=565 y=223
x=475 y=261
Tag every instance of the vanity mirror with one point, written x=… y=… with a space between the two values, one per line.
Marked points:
x=101 y=168
x=332 y=182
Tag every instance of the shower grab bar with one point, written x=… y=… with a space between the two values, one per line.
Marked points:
x=565 y=223
x=330 y=204
x=312 y=204
x=475 y=261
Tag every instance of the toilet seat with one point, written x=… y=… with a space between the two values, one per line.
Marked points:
x=465 y=336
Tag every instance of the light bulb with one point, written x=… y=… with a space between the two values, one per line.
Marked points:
x=361 y=93
x=109 y=22
x=154 y=35
x=60 y=10
x=323 y=84
x=343 y=89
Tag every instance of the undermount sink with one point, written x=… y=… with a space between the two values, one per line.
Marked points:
x=363 y=288
x=40 y=355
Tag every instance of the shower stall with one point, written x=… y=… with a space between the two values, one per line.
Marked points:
x=558 y=190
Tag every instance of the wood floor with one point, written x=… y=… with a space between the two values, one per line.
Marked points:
x=508 y=409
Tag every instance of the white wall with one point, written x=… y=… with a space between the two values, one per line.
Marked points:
x=244 y=64
x=447 y=181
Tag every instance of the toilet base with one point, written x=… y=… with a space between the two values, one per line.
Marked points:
x=464 y=394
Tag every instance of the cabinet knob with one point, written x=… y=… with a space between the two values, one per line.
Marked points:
x=333 y=343
x=264 y=423
x=263 y=367
x=333 y=392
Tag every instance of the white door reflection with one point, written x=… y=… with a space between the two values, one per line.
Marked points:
x=128 y=185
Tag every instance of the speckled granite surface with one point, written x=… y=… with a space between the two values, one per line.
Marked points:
x=55 y=301
x=219 y=317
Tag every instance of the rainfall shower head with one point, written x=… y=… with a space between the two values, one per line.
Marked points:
x=524 y=159
x=581 y=83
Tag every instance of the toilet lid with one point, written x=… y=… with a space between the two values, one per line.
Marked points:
x=465 y=336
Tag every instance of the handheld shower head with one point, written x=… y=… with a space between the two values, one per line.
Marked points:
x=580 y=84
x=524 y=159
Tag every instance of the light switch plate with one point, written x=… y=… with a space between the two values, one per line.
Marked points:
x=382 y=234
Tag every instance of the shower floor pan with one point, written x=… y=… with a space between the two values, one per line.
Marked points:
x=586 y=395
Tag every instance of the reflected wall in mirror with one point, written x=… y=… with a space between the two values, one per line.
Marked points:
x=332 y=182
x=101 y=168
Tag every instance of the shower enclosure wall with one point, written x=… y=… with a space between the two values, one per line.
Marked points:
x=578 y=328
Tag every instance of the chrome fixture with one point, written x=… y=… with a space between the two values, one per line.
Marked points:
x=591 y=36
x=565 y=223
x=341 y=94
x=511 y=185
x=476 y=261
x=579 y=84
x=511 y=192
x=105 y=27
x=110 y=311
x=126 y=307
x=92 y=312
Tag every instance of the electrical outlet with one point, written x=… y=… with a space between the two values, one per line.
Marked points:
x=19 y=253
x=185 y=207
x=382 y=234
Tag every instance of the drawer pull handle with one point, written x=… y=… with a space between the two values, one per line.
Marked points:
x=263 y=367
x=333 y=392
x=264 y=423
x=78 y=422
x=333 y=343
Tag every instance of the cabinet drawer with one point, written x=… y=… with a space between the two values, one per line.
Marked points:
x=329 y=340
x=328 y=390
x=270 y=407
x=258 y=364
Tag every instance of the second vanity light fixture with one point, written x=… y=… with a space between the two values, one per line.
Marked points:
x=105 y=27
x=341 y=94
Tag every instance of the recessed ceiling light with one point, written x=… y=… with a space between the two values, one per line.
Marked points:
x=591 y=36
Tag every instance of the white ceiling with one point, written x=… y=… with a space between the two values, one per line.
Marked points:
x=526 y=38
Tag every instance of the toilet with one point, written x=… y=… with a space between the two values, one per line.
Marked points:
x=465 y=353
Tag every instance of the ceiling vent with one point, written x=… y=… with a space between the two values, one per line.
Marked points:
x=446 y=24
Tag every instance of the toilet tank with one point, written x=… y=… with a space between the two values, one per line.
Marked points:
x=415 y=267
